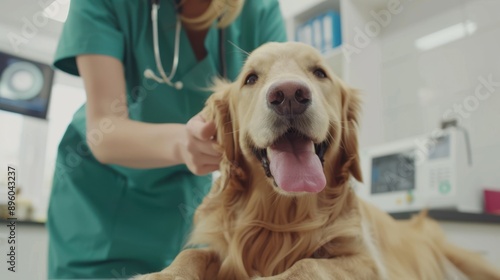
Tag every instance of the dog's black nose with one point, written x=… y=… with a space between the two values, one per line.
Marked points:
x=289 y=97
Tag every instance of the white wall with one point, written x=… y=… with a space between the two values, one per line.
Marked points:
x=440 y=79
x=408 y=91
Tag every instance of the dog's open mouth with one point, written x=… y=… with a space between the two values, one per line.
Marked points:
x=294 y=162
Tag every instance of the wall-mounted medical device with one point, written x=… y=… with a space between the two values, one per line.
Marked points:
x=25 y=86
x=432 y=171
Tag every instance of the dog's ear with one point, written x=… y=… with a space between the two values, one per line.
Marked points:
x=351 y=108
x=218 y=109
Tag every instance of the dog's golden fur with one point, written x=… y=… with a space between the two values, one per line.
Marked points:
x=251 y=228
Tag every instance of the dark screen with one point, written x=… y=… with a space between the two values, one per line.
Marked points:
x=25 y=86
x=395 y=172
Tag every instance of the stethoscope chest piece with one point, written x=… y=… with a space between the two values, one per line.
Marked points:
x=148 y=73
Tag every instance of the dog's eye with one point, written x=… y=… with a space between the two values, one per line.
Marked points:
x=251 y=79
x=319 y=73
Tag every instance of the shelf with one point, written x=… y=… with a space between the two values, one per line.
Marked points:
x=308 y=10
x=334 y=58
x=316 y=9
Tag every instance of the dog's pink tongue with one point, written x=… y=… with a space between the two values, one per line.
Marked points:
x=295 y=166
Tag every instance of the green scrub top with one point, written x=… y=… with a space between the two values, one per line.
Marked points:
x=109 y=221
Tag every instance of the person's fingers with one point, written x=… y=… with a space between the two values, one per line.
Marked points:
x=212 y=153
x=203 y=155
x=210 y=168
x=202 y=152
x=204 y=169
x=208 y=131
x=208 y=148
x=200 y=128
x=196 y=146
x=207 y=160
x=195 y=126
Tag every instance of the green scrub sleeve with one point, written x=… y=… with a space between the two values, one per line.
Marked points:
x=272 y=24
x=91 y=28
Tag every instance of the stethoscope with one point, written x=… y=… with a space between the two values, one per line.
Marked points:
x=163 y=78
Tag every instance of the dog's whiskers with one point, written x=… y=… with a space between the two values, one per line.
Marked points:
x=232 y=131
x=238 y=48
x=274 y=197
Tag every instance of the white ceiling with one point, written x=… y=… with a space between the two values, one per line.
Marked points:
x=15 y=13
x=25 y=31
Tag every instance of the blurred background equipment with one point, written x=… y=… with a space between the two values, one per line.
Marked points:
x=25 y=86
x=491 y=201
x=23 y=211
x=433 y=171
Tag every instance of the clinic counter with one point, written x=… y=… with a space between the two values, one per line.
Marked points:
x=452 y=216
x=439 y=215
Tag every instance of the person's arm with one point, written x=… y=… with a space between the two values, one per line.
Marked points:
x=115 y=139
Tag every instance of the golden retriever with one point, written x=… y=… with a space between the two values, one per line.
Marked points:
x=283 y=207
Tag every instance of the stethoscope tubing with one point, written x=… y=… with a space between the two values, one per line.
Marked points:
x=148 y=73
x=164 y=79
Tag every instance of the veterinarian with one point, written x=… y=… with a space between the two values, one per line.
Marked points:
x=125 y=187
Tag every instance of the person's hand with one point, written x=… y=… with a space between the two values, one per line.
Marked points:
x=198 y=151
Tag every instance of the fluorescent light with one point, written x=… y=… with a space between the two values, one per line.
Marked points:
x=446 y=35
x=57 y=10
